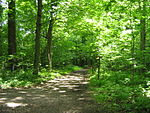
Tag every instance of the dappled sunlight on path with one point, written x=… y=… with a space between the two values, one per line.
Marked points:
x=67 y=94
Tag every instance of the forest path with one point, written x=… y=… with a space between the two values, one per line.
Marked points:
x=67 y=94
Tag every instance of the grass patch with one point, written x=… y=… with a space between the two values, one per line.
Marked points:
x=21 y=78
x=67 y=69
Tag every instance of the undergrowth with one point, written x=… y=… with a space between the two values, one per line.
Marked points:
x=25 y=78
x=67 y=69
x=121 y=92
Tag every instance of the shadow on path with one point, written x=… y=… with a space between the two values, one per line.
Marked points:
x=67 y=94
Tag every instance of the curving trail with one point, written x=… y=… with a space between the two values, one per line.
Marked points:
x=67 y=94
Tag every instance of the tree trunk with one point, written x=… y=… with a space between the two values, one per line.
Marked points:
x=37 y=39
x=1 y=13
x=49 y=43
x=132 y=42
x=11 y=32
x=142 y=34
x=99 y=66
x=49 y=36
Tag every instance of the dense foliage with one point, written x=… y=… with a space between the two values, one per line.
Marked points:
x=110 y=36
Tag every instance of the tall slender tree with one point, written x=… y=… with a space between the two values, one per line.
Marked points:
x=143 y=31
x=49 y=35
x=11 y=31
x=1 y=13
x=37 y=38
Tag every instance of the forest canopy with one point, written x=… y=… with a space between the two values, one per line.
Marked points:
x=112 y=37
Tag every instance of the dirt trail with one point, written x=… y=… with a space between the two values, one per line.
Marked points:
x=67 y=94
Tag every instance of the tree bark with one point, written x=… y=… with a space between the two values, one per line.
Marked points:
x=49 y=43
x=49 y=36
x=99 y=66
x=11 y=32
x=37 y=39
x=142 y=34
x=1 y=13
x=11 y=28
x=132 y=42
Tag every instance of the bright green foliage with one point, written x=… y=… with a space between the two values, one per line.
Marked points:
x=83 y=32
x=26 y=78
x=69 y=68
x=120 y=93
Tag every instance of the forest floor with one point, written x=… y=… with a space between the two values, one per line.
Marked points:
x=66 y=94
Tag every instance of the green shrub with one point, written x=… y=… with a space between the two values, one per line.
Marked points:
x=26 y=78
x=119 y=91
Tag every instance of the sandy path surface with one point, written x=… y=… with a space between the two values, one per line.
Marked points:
x=67 y=94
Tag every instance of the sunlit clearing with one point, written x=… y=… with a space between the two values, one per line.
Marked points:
x=76 y=89
x=69 y=86
x=81 y=98
x=54 y=81
x=84 y=82
x=63 y=79
x=3 y=98
x=22 y=92
x=17 y=98
x=56 y=89
x=13 y=105
x=61 y=91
